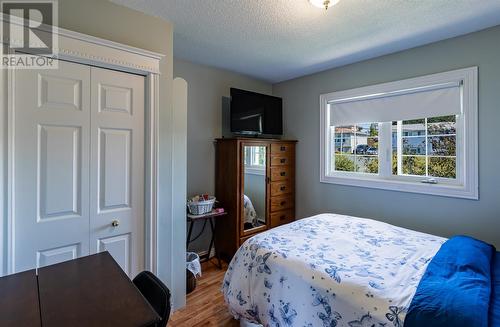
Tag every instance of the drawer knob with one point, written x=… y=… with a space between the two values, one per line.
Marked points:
x=283 y=161
x=282 y=148
x=283 y=173
x=283 y=188
x=282 y=203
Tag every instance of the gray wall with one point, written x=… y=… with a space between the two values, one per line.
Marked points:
x=206 y=88
x=431 y=214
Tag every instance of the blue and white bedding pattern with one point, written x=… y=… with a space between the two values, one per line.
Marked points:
x=249 y=211
x=328 y=270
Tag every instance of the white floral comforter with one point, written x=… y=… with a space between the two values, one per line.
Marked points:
x=249 y=210
x=328 y=270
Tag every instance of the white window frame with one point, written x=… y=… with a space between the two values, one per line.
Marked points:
x=251 y=168
x=466 y=183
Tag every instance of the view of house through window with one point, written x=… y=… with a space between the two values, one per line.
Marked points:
x=425 y=147
x=420 y=147
x=356 y=148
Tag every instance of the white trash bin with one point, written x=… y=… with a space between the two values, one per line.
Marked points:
x=193 y=270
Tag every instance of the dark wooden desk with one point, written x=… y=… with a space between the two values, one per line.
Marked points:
x=91 y=291
x=19 y=300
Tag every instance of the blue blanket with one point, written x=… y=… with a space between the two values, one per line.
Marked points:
x=495 y=293
x=456 y=288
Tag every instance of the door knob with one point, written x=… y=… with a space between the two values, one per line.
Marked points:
x=115 y=223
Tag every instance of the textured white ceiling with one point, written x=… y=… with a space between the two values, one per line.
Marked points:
x=276 y=40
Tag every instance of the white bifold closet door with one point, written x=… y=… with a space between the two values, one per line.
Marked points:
x=117 y=167
x=78 y=166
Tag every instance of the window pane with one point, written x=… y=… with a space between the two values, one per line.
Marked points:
x=442 y=167
x=414 y=145
x=361 y=143
x=441 y=125
x=344 y=139
x=367 y=129
x=415 y=127
x=344 y=162
x=362 y=132
x=394 y=139
x=366 y=139
x=356 y=148
x=374 y=129
x=247 y=156
x=367 y=164
x=260 y=156
x=434 y=155
x=394 y=142
x=414 y=165
x=442 y=145
x=372 y=140
x=255 y=156
x=372 y=143
x=394 y=163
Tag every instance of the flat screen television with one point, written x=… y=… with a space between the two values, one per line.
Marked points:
x=255 y=114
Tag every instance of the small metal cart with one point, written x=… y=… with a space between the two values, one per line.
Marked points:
x=210 y=218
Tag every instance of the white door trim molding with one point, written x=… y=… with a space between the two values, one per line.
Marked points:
x=93 y=51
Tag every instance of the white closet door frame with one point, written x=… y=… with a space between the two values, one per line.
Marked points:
x=88 y=50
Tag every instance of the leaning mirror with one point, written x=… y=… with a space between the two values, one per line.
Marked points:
x=254 y=190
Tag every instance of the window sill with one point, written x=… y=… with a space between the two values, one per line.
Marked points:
x=447 y=190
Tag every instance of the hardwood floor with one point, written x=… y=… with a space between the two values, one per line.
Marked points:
x=205 y=305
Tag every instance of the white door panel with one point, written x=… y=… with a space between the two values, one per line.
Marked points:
x=53 y=256
x=51 y=172
x=115 y=99
x=119 y=247
x=117 y=167
x=59 y=172
x=56 y=92
x=115 y=174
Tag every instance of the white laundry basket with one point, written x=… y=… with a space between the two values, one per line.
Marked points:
x=201 y=207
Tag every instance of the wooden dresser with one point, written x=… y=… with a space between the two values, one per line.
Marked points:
x=256 y=171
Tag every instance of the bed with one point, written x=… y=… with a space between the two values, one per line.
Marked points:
x=335 y=270
x=249 y=211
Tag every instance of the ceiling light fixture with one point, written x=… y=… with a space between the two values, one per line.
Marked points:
x=324 y=3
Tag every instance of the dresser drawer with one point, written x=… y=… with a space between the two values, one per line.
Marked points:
x=280 y=148
x=281 y=202
x=281 y=188
x=281 y=160
x=280 y=173
x=282 y=217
